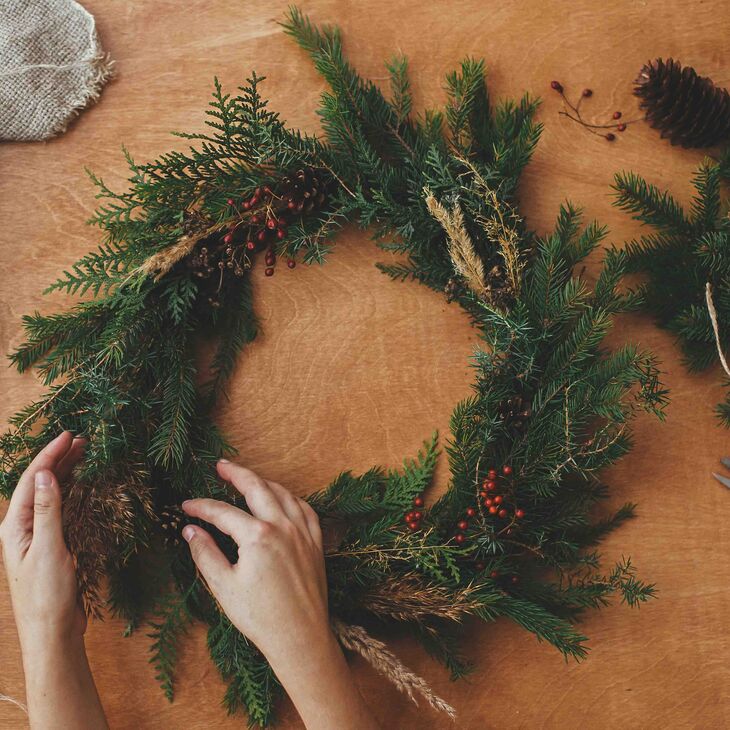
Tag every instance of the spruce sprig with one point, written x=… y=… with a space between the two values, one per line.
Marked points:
x=688 y=251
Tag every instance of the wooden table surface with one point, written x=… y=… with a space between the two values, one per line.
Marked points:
x=353 y=369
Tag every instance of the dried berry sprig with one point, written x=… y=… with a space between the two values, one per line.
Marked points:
x=573 y=113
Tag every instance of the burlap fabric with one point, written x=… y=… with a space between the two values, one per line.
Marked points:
x=51 y=66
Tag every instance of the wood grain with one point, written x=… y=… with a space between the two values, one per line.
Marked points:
x=353 y=370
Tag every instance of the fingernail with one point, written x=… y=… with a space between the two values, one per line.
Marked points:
x=42 y=479
x=223 y=461
x=187 y=501
x=188 y=532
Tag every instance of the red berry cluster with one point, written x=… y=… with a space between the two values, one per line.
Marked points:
x=414 y=517
x=261 y=222
x=494 y=502
x=575 y=114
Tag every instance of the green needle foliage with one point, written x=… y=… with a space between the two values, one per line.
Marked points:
x=514 y=532
x=687 y=250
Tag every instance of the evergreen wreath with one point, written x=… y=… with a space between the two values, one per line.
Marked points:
x=513 y=533
x=686 y=262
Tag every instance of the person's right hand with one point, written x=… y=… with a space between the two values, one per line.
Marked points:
x=276 y=594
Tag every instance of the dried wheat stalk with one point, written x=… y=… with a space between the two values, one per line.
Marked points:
x=461 y=249
x=377 y=654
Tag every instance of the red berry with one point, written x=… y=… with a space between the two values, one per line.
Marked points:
x=291 y=205
x=515 y=579
x=488 y=501
x=291 y=263
x=479 y=565
x=250 y=245
x=255 y=219
x=494 y=574
x=617 y=115
x=621 y=127
x=482 y=494
x=520 y=513
x=246 y=205
x=280 y=234
x=492 y=510
x=587 y=92
x=491 y=485
x=498 y=499
x=459 y=538
x=507 y=470
x=418 y=501
x=557 y=86
x=492 y=473
x=503 y=513
x=413 y=525
x=271 y=223
x=470 y=512
x=417 y=516
x=269 y=272
x=230 y=201
x=463 y=525
x=228 y=237
x=267 y=189
x=408 y=518
x=261 y=235
x=254 y=201
x=610 y=137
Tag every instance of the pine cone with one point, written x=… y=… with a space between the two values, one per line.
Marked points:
x=514 y=412
x=172 y=519
x=688 y=109
x=303 y=190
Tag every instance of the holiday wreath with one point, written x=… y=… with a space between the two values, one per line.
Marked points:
x=512 y=534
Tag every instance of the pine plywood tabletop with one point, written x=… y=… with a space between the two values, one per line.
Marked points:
x=353 y=369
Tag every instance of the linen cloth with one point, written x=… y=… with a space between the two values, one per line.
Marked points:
x=51 y=66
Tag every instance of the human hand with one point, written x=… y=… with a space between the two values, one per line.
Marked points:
x=59 y=687
x=276 y=594
x=39 y=567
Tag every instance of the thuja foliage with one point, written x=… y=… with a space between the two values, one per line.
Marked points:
x=513 y=534
x=688 y=249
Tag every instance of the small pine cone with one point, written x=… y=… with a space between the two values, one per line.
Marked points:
x=688 y=109
x=303 y=190
x=172 y=519
x=514 y=412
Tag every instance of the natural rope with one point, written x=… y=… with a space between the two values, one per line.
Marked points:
x=715 y=327
x=377 y=654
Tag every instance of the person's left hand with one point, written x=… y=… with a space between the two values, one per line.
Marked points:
x=40 y=569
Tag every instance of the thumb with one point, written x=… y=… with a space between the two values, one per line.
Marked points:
x=47 y=527
x=211 y=562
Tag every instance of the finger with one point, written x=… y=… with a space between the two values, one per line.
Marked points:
x=47 y=525
x=262 y=502
x=20 y=511
x=290 y=504
x=70 y=459
x=227 y=518
x=312 y=518
x=211 y=562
